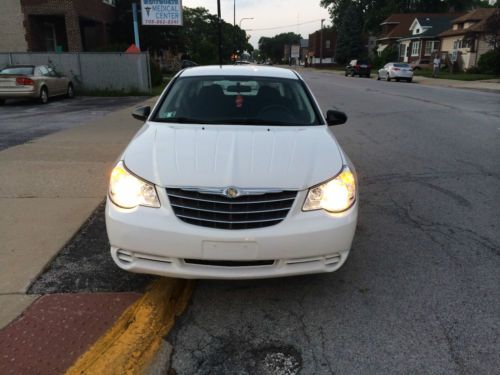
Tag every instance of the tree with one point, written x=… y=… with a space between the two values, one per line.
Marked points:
x=350 y=40
x=196 y=39
x=273 y=48
x=492 y=30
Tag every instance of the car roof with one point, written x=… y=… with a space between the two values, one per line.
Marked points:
x=239 y=70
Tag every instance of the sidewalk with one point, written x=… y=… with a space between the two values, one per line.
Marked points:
x=49 y=187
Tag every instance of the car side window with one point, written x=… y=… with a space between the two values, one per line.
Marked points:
x=44 y=71
x=52 y=72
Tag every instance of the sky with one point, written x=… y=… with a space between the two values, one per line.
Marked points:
x=268 y=14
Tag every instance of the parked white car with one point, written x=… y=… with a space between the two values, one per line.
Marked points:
x=397 y=71
x=235 y=174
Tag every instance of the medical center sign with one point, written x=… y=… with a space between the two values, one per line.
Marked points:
x=161 y=12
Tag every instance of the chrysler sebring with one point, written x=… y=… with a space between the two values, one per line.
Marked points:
x=235 y=174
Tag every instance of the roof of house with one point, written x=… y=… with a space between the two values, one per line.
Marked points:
x=480 y=16
x=403 y=22
x=436 y=23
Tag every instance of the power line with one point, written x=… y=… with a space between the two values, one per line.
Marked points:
x=284 y=27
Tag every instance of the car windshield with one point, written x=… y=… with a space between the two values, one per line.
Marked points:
x=21 y=70
x=401 y=65
x=238 y=100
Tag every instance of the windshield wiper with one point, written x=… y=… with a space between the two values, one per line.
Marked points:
x=251 y=121
x=182 y=120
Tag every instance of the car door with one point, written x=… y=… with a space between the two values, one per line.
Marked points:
x=387 y=68
x=57 y=82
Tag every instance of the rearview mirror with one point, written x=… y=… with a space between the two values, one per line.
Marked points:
x=335 y=118
x=141 y=113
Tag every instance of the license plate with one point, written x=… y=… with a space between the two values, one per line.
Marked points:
x=229 y=250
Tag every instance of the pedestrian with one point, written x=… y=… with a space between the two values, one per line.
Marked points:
x=437 y=65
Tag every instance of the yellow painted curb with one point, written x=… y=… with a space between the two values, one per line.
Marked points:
x=128 y=346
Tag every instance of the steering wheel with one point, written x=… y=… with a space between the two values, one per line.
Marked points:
x=277 y=109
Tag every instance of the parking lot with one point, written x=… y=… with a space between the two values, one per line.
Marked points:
x=24 y=120
x=420 y=290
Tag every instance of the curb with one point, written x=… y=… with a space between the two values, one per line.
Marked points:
x=130 y=344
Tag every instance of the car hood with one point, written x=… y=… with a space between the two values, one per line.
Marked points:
x=241 y=156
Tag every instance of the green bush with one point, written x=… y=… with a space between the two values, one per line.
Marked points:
x=390 y=54
x=489 y=62
x=156 y=76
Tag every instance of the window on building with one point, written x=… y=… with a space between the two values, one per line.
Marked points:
x=415 y=48
x=431 y=47
x=402 y=50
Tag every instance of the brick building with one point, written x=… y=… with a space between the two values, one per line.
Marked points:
x=55 y=25
x=329 y=43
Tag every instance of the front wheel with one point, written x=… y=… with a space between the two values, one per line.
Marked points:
x=397 y=79
x=410 y=80
x=378 y=77
x=44 y=96
x=71 y=91
x=388 y=78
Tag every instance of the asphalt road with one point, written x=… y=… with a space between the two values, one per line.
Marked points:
x=24 y=120
x=420 y=292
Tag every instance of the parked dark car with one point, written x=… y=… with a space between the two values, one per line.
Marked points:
x=358 y=67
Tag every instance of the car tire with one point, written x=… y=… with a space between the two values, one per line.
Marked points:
x=410 y=80
x=397 y=79
x=70 y=93
x=44 y=95
x=378 y=77
x=2 y=101
x=388 y=78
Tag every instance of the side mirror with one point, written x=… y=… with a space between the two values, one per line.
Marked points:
x=335 y=118
x=141 y=113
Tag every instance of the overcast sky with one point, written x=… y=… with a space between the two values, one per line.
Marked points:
x=269 y=14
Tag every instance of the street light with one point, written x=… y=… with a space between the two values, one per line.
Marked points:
x=321 y=44
x=246 y=18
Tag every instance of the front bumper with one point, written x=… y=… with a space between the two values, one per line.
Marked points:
x=155 y=241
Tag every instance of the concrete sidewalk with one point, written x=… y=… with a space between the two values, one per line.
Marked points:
x=49 y=187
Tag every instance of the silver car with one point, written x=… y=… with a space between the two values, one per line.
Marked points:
x=33 y=81
x=397 y=71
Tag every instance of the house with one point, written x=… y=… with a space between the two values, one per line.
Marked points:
x=424 y=41
x=464 y=42
x=329 y=43
x=397 y=26
x=55 y=25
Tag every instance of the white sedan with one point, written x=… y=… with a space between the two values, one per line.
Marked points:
x=397 y=71
x=235 y=174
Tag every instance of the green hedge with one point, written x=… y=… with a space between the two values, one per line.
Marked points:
x=489 y=62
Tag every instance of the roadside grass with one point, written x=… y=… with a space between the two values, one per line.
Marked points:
x=456 y=76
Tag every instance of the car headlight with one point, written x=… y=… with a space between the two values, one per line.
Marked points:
x=128 y=191
x=335 y=195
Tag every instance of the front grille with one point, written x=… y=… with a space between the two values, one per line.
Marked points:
x=218 y=211
x=227 y=263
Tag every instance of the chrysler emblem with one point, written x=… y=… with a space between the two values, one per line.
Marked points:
x=231 y=192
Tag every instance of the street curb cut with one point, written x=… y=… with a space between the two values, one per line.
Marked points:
x=136 y=336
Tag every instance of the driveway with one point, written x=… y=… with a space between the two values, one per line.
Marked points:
x=22 y=120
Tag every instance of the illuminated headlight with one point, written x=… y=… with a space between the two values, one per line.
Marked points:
x=335 y=195
x=128 y=191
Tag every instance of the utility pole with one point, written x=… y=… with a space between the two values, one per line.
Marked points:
x=321 y=44
x=220 y=32
x=136 y=26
